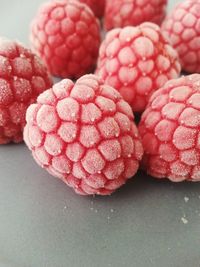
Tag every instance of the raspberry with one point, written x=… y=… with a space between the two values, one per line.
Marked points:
x=22 y=78
x=97 y=6
x=66 y=35
x=136 y=61
x=170 y=130
x=121 y=13
x=84 y=134
x=182 y=27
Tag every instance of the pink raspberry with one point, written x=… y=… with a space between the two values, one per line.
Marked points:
x=182 y=27
x=66 y=35
x=97 y=6
x=121 y=13
x=84 y=134
x=22 y=78
x=137 y=61
x=170 y=130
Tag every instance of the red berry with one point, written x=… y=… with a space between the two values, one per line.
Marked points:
x=182 y=27
x=137 y=61
x=22 y=78
x=66 y=35
x=170 y=130
x=97 y=6
x=120 y=13
x=84 y=134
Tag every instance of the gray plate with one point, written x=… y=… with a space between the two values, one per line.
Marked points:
x=43 y=223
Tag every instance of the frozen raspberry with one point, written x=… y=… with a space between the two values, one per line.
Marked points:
x=120 y=13
x=170 y=130
x=137 y=61
x=22 y=78
x=97 y=6
x=84 y=134
x=66 y=35
x=182 y=27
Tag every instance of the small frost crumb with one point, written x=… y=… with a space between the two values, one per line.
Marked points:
x=111 y=210
x=96 y=210
x=91 y=208
x=151 y=260
x=184 y=220
x=186 y=199
x=199 y=196
x=65 y=207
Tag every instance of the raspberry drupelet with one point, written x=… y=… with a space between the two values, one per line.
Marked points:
x=22 y=78
x=97 y=6
x=182 y=27
x=66 y=35
x=170 y=131
x=137 y=61
x=121 y=13
x=84 y=134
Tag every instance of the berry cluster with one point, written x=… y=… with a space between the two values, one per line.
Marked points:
x=83 y=131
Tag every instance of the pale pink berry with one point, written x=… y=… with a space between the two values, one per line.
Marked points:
x=182 y=27
x=137 y=61
x=170 y=131
x=84 y=134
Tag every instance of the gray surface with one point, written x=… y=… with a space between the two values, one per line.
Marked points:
x=44 y=224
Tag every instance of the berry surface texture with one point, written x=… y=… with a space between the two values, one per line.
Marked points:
x=84 y=134
x=97 y=6
x=170 y=131
x=137 y=61
x=22 y=78
x=66 y=35
x=121 y=13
